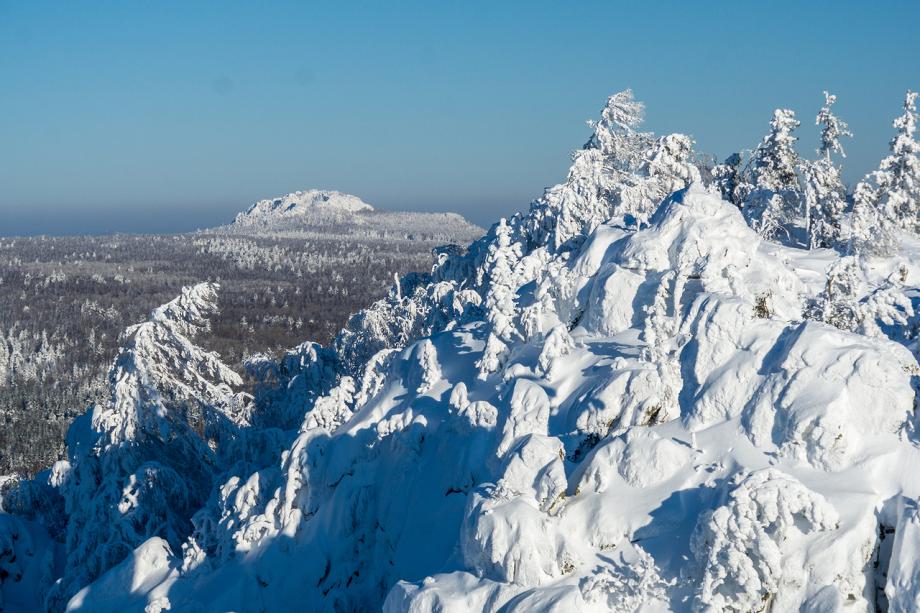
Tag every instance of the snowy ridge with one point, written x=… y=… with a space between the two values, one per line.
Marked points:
x=633 y=397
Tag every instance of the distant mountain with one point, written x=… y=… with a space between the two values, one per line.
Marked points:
x=333 y=213
x=303 y=203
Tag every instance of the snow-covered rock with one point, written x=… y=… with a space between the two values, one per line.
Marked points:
x=326 y=213
x=302 y=203
x=623 y=399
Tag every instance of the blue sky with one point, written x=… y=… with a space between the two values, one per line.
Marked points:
x=167 y=116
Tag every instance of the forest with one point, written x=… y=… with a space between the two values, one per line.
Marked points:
x=66 y=301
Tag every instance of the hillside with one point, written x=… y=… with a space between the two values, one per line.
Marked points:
x=665 y=386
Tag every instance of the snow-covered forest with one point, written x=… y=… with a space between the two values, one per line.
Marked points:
x=668 y=385
x=65 y=301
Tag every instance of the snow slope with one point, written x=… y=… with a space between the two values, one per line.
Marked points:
x=612 y=402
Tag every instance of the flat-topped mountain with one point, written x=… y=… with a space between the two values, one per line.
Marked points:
x=302 y=203
x=334 y=213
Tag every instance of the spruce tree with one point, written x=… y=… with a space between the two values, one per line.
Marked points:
x=832 y=129
x=900 y=171
x=873 y=226
x=614 y=152
x=824 y=192
x=889 y=198
x=775 y=198
x=138 y=464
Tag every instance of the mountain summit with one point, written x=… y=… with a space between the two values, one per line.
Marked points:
x=304 y=202
x=328 y=213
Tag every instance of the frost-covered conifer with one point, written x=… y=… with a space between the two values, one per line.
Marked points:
x=832 y=129
x=824 y=192
x=838 y=303
x=333 y=409
x=558 y=344
x=616 y=133
x=502 y=255
x=659 y=335
x=825 y=202
x=493 y=356
x=611 y=156
x=845 y=303
x=775 y=199
x=459 y=397
x=729 y=179
x=899 y=173
x=137 y=466
x=740 y=545
x=873 y=229
x=4 y=360
x=889 y=197
x=775 y=162
x=533 y=317
x=497 y=273
x=374 y=376
x=667 y=167
x=428 y=369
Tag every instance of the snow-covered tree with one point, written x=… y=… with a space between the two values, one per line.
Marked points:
x=740 y=545
x=889 y=198
x=775 y=162
x=493 y=356
x=728 y=178
x=557 y=344
x=659 y=335
x=825 y=202
x=137 y=466
x=832 y=129
x=614 y=153
x=838 y=303
x=775 y=199
x=873 y=228
x=667 y=167
x=824 y=192
x=502 y=255
x=334 y=409
x=497 y=275
x=427 y=369
x=848 y=304
x=899 y=173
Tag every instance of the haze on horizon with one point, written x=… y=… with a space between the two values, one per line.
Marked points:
x=170 y=116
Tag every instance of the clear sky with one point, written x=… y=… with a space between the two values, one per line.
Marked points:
x=167 y=116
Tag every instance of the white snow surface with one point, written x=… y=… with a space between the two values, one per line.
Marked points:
x=762 y=471
x=602 y=405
